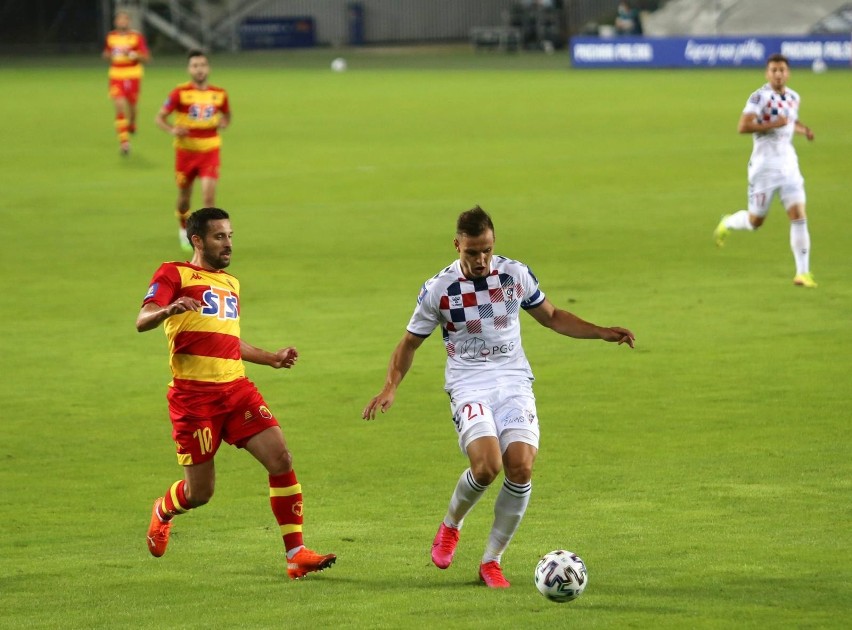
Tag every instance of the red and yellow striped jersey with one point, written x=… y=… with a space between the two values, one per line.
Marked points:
x=199 y=111
x=204 y=345
x=120 y=46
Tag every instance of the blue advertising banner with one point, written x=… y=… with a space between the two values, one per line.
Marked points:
x=284 y=32
x=695 y=52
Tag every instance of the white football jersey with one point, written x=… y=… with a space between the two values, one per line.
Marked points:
x=773 y=150
x=480 y=321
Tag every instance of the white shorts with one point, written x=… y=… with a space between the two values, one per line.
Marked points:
x=507 y=413
x=762 y=187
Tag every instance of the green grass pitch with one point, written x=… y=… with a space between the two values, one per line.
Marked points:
x=704 y=477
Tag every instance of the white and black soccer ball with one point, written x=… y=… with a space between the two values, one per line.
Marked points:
x=561 y=576
x=339 y=65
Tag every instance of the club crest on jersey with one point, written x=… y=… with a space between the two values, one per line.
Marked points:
x=220 y=303
x=152 y=290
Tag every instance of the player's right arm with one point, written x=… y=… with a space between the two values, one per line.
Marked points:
x=164 y=299
x=400 y=363
x=152 y=315
x=165 y=125
x=163 y=115
x=749 y=123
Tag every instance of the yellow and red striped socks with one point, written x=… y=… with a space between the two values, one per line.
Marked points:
x=285 y=497
x=174 y=502
x=122 y=128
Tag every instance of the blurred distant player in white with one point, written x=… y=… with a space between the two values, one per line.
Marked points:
x=772 y=116
x=477 y=302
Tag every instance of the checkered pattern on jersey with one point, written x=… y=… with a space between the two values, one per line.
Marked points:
x=778 y=104
x=485 y=302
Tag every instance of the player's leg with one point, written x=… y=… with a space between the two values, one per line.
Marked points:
x=132 y=100
x=208 y=192
x=513 y=498
x=194 y=490
x=474 y=424
x=131 y=127
x=122 y=113
x=800 y=243
x=759 y=199
x=197 y=438
x=185 y=173
x=516 y=421
x=261 y=436
x=208 y=173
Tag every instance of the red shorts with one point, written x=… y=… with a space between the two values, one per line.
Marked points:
x=202 y=419
x=192 y=164
x=124 y=88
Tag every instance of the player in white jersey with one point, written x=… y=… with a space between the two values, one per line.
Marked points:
x=477 y=302
x=772 y=116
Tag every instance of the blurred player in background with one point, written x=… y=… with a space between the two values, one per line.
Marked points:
x=210 y=398
x=772 y=116
x=201 y=110
x=126 y=50
x=477 y=302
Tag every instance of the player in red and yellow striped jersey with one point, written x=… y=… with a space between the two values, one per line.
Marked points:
x=126 y=51
x=201 y=110
x=210 y=398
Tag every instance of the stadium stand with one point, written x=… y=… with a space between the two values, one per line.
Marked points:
x=739 y=17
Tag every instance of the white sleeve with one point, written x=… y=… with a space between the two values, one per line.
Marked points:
x=426 y=316
x=533 y=296
x=754 y=105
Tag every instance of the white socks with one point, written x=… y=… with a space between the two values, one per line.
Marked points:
x=739 y=221
x=508 y=511
x=800 y=243
x=465 y=496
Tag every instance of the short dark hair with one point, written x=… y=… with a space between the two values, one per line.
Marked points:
x=779 y=58
x=474 y=222
x=195 y=52
x=198 y=221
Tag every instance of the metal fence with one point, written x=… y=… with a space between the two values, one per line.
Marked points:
x=60 y=25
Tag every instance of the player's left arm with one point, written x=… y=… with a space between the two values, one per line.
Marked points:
x=140 y=52
x=284 y=358
x=803 y=129
x=570 y=325
x=224 y=114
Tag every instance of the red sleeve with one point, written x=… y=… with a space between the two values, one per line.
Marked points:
x=172 y=101
x=226 y=107
x=142 y=45
x=164 y=287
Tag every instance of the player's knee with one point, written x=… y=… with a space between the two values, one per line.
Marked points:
x=199 y=495
x=519 y=472
x=485 y=472
x=282 y=464
x=755 y=221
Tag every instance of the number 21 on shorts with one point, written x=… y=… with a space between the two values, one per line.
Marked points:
x=467 y=413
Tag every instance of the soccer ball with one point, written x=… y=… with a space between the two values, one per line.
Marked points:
x=339 y=65
x=561 y=576
x=819 y=66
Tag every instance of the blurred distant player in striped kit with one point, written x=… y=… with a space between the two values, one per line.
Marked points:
x=210 y=398
x=772 y=116
x=477 y=302
x=201 y=110
x=126 y=50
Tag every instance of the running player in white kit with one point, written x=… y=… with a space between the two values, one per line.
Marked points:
x=477 y=302
x=772 y=116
